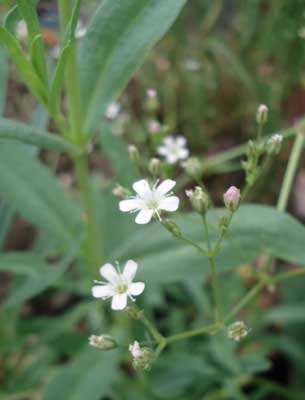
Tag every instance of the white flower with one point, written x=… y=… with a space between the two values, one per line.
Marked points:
x=151 y=93
x=135 y=350
x=80 y=30
x=119 y=285
x=149 y=201
x=113 y=110
x=173 y=149
x=191 y=64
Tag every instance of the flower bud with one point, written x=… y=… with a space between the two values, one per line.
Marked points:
x=274 y=144
x=172 y=227
x=120 y=192
x=199 y=199
x=154 y=166
x=192 y=166
x=133 y=152
x=238 y=330
x=142 y=357
x=232 y=198
x=103 y=342
x=154 y=127
x=152 y=102
x=262 y=114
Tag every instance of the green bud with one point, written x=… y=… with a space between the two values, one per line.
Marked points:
x=103 y=342
x=172 y=227
x=154 y=166
x=262 y=114
x=120 y=192
x=199 y=199
x=133 y=152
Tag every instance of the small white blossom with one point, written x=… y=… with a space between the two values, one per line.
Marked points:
x=113 y=110
x=135 y=350
x=238 y=330
x=80 y=30
x=191 y=64
x=173 y=149
x=151 y=93
x=119 y=285
x=22 y=30
x=149 y=201
x=277 y=138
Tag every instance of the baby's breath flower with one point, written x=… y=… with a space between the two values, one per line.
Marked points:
x=102 y=342
x=135 y=350
x=119 y=191
x=154 y=127
x=113 y=111
x=151 y=93
x=22 y=30
x=199 y=199
x=149 y=201
x=154 y=166
x=142 y=358
x=232 y=198
x=119 y=285
x=238 y=330
x=133 y=152
x=173 y=149
x=274 y=144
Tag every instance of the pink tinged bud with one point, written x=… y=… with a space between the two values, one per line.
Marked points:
x=231 y=198
x=135 y=350
x=277 y=138
x=154 y=127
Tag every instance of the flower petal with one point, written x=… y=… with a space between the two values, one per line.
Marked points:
x=170 y=203
x=102 y=291
x=141 y=187
x=168 y=141
x=130 y=270
x=110 y=273
x=172 y=158
x=165 y=186
x=129 y=205
x=144 y=216
x=181 y=141
x=162 y=150
x=136 y=288
x=183 y=154
x=119 y=301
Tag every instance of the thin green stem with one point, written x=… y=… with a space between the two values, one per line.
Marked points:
x=290 y=171
x=93 y=247
x=195 y=332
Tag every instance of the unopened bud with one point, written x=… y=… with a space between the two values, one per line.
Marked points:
x=232 y=198
x=152 y=102
x=154 y=127
x=154 y=166
x=262 y=114
x=120 y=192
x=142 y=357
x=102 y=342
x=192 y=166
x=199 y=199
x=172 y=227
x=238 y=330
x=133 y=152
x=274 y=144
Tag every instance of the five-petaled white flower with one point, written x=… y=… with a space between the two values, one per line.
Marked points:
x=119 y=285
x=149 y=201
x=173 y=149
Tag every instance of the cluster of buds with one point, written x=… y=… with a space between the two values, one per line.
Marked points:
x=103 y=342
x=199 y=200
x=142 y=357
x=232 y=198
x=238 y=330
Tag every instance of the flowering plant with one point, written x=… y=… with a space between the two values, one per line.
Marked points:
x=182 y=281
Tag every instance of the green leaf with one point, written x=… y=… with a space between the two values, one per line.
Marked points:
x=58 y=77
x=285 y=314
x=27 y=10
x=114 y=148
x=89 y=376
x=28 y=134
x=23 y=66
x=30 y=188
x=121 y=34
x=34 y=285
x=11 y=20
x=23 y=264
x=255 y=230
x=3 y=80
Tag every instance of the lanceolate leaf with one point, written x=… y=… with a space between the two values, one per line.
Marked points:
x=3 y=80
x=255 y=230
x=30 y=188
x=28 y=134
x=118 y=38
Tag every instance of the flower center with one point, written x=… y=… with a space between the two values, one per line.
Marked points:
x=122 y=288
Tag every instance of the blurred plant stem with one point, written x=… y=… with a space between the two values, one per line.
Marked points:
x=93 y=248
